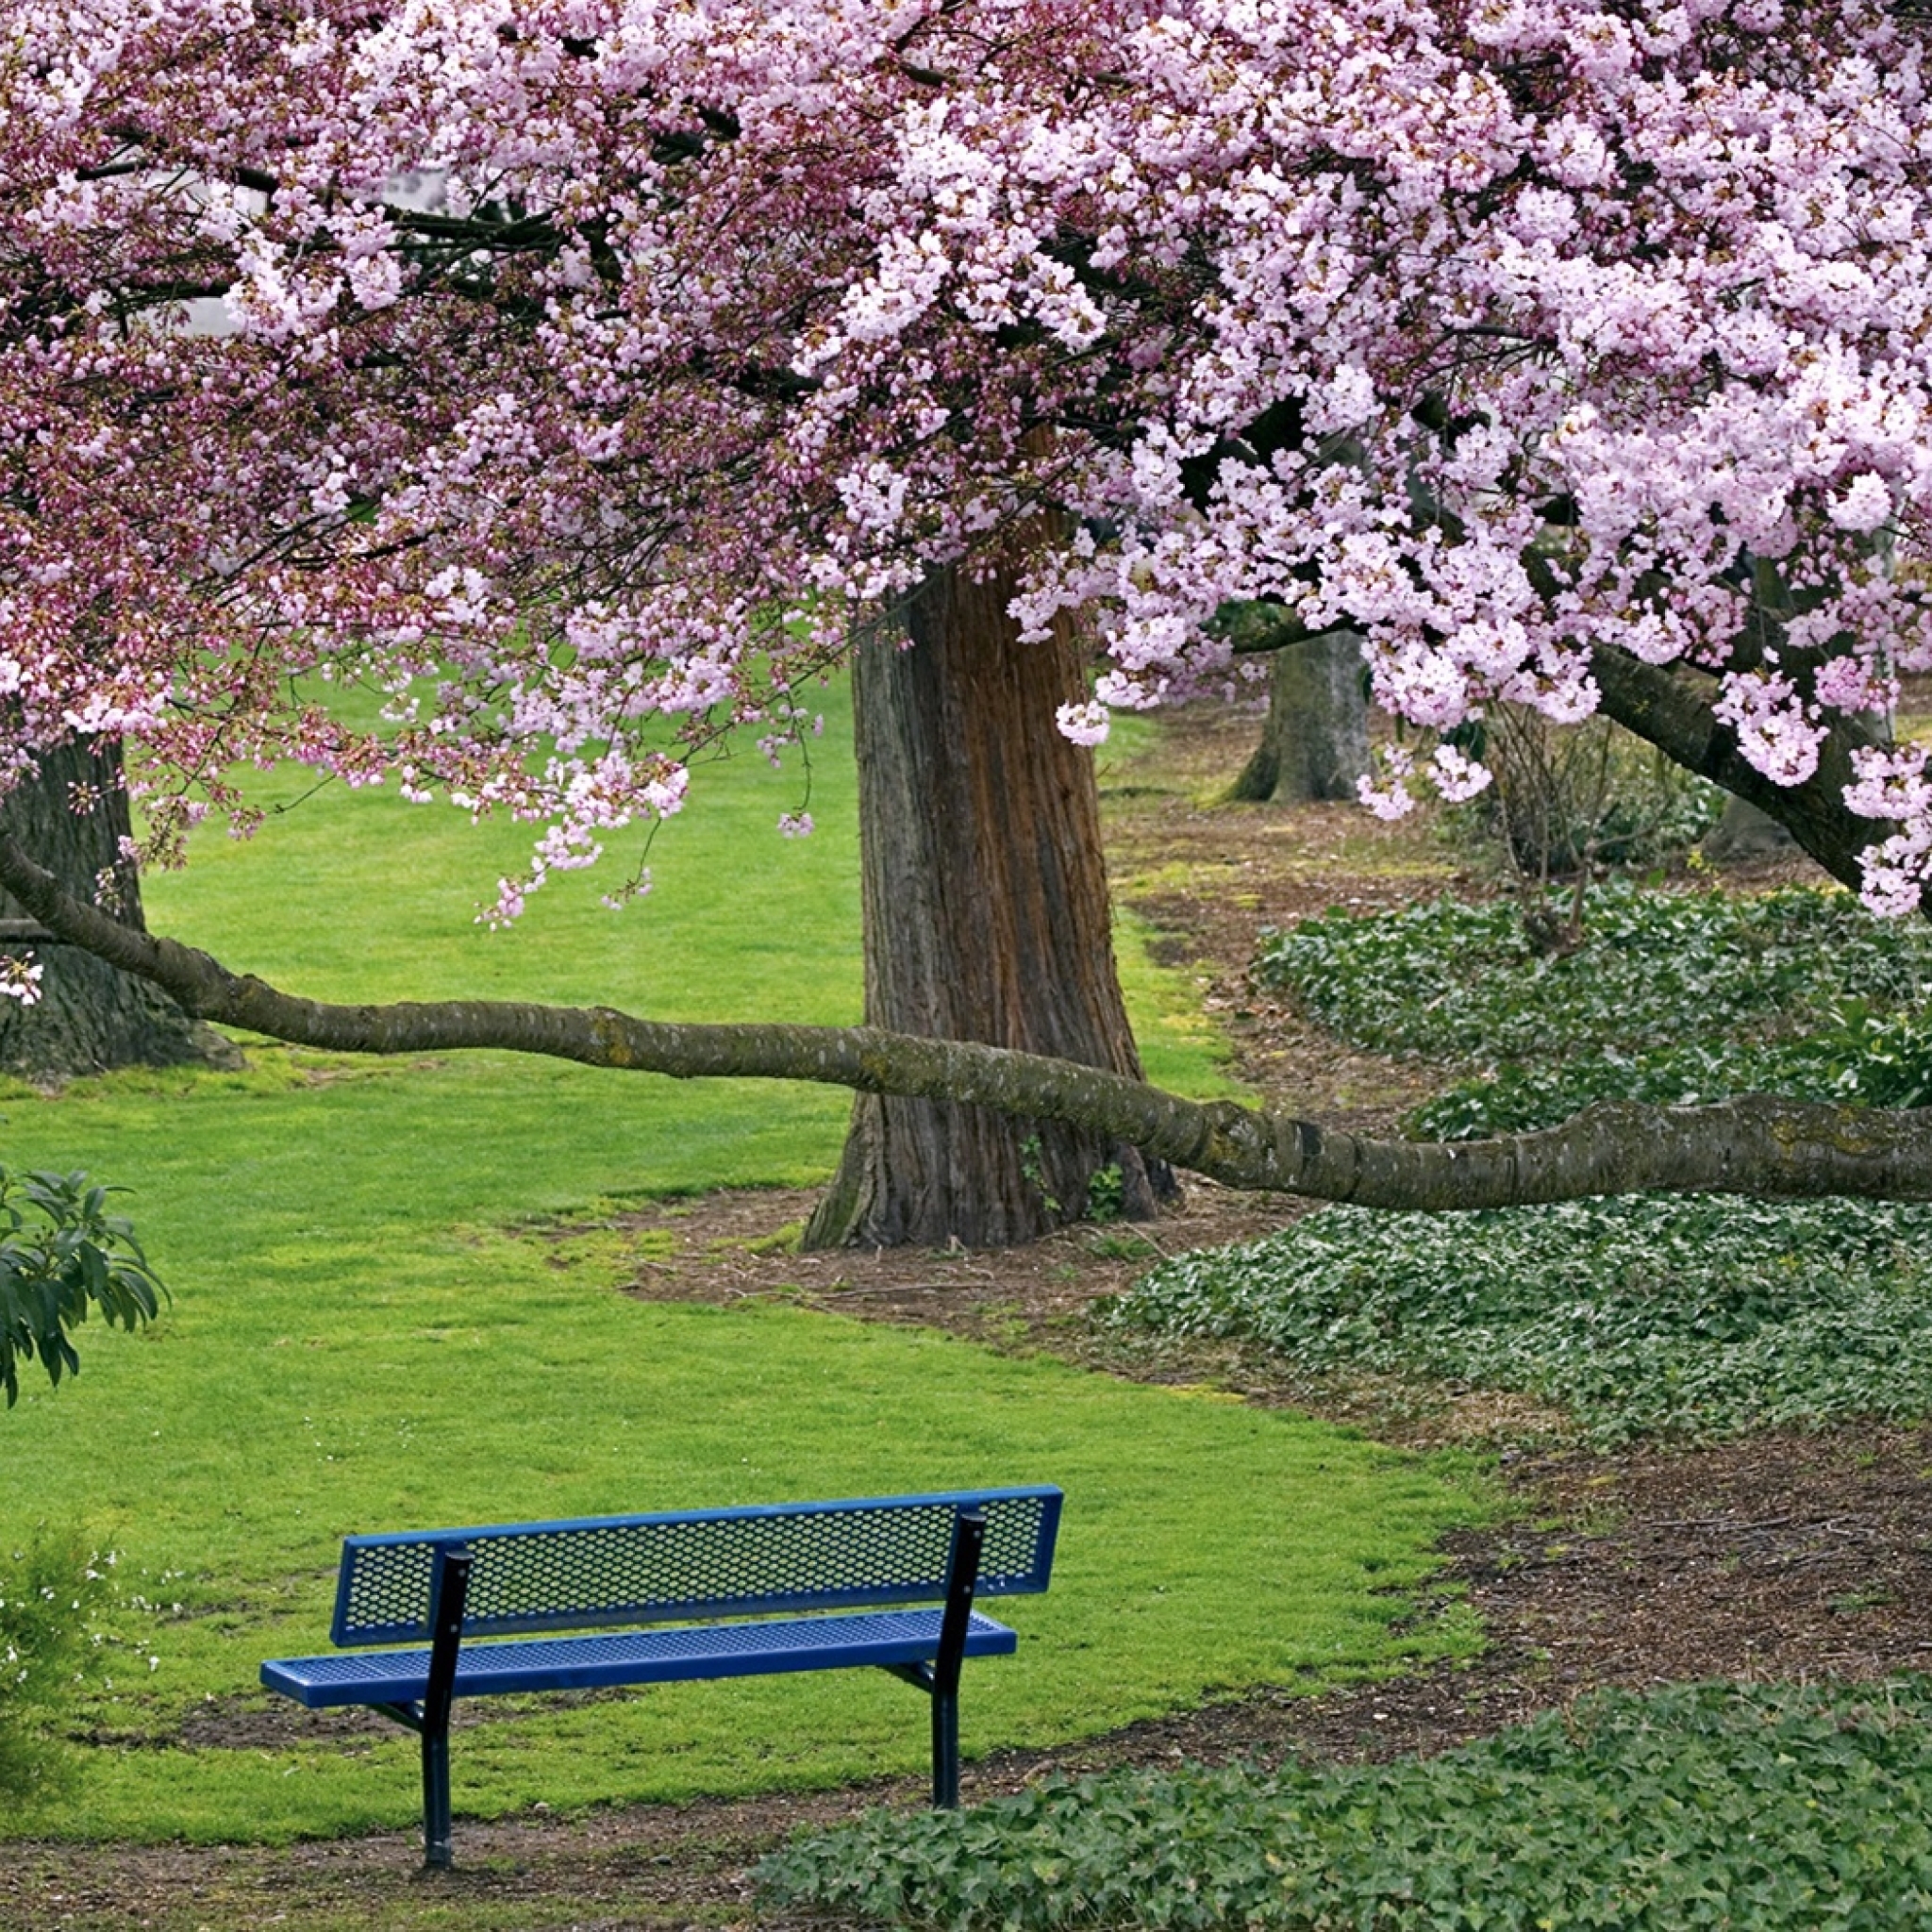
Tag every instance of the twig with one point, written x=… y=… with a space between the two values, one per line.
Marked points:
x=1722 y=1522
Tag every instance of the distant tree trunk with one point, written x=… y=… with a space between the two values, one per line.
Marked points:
x=987 y=918
x=1315 y=743
x=1744 y=833
x=89 y=1017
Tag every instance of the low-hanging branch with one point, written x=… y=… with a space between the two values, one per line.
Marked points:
x=1757 y=1144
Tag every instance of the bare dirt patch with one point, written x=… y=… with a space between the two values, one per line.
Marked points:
x=1789 y=1556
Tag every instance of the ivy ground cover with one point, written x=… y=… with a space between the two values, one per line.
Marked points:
x=1770 y=1808
x=1672 y=997
x=1695 y=1318
x=382 y=1319
x=1688 y=1317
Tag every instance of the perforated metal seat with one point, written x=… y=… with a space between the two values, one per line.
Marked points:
x=883 y=1638
x=840 y=1562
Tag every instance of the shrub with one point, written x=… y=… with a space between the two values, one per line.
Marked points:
x=1696 y=1316
x=1567 y=798
x=49 y=1593
x=62 y=1252
x=1784 y=1809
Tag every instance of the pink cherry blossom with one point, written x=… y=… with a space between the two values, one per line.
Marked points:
x=582 y=376
x=1084 y=723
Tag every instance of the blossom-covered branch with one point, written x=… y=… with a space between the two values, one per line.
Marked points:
x=588 y=366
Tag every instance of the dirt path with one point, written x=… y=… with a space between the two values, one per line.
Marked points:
x=1792 y=1556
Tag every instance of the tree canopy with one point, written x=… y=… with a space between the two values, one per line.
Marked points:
x=595 y=366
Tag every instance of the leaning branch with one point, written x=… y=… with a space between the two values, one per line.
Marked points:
x=1661 y=707
x=1756 y=1145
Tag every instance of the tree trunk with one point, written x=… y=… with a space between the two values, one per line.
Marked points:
x=1315 y=744
x=987 y=918
x=1744 y=833
x=89 y=1016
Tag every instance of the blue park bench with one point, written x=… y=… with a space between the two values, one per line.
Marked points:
x=815 y=1578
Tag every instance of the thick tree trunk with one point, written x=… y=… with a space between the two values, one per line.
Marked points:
x=987 y=918
x=1315 y=744
x=89 y=1016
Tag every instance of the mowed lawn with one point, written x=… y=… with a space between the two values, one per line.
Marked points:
x=399 y=1301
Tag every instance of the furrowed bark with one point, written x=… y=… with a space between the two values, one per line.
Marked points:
x=1757 y=1145
x=987 y=918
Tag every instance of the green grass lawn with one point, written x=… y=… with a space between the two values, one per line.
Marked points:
x=373 y=1327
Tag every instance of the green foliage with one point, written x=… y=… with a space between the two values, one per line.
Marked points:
x=1105 y=1194
x=1696 y=1316
x=49 y=1593
x=1799 y=991
x=1703 y=1806
x=1861 y=1058
x=61 y=1254
x=1033 y=1170
x=1467 y=984
x=1517 y=1098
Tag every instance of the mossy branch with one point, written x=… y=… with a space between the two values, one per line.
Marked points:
x=1757 y=1144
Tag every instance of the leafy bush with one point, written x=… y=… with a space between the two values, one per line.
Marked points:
x=1467 y=985
x=1697 y=1316
x=1861 y=1058
x=1777 y=1808
x=49 y=1593
x=62 y=1251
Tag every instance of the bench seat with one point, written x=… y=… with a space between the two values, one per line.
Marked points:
x=884 y=1638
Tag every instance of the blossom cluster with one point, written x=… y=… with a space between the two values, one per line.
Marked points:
x=580 y=369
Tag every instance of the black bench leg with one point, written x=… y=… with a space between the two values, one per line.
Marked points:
x=945 y=1753
x=435 y=1850
x=449 y=1588
x=962 y=1577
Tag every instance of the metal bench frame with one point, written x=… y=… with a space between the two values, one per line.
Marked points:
x=840 y=1564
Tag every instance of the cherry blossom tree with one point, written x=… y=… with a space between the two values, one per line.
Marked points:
x=85 y=1016
x=1572 y=354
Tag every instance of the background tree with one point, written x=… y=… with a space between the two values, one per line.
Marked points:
x=86 y=1017
x=1315 y=739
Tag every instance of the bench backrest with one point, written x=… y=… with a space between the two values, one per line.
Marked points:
x=697 y=1563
